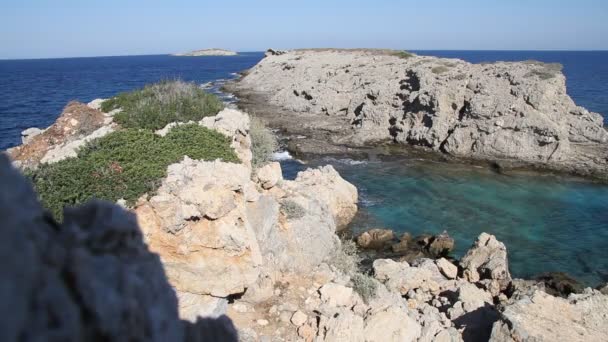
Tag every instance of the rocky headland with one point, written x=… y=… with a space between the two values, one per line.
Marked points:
x=206 y=52
x=220 y=239
x=510 y=114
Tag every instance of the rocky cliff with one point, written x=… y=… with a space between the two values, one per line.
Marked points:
x=221 y=238
x=514 y=112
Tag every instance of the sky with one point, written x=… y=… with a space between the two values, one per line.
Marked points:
x=70 y=28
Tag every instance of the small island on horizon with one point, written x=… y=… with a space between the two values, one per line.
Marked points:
x=206 y=52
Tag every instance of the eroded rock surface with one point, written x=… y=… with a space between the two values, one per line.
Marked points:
x=500 y=111
x=89 y=278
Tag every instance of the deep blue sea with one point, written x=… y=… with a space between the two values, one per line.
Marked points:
x=548 y=223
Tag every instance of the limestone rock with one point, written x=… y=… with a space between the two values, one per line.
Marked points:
x=375 y=238
x=487 y=259
x=328 y=187
x=500 y=111
x=28 y=134
x=447 y=268
x=96 y=104
x=336 y=295
x=542 y=317
x=441 y=245
x=392 y=324
x=192 y=306
x=197 y=222
x=269 y=175
x=299 y=318
x=75 y=122
x=400 y=277
x=234 y=124
x=343 y=327
x=89 y=278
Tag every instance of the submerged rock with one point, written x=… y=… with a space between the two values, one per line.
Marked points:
x=559 y=283
x=375 y=238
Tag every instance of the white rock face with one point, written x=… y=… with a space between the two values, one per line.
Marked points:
x=517 y=111
x=269 y=175
x=234 y=124
x=28 y=134
x=401 y=277
x=392 y=324
x=447 y=268
x=487 y=259
x=70 y=149
x=96 y=104
x=331 y=189
x=197 y=222
x=543 y=317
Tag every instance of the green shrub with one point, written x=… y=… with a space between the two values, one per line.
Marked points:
x=263 y=143
x=403 y=54
x=124 y=164
x=364 y=285
x=156 y=105
x=347 y=259
x=440 y=69
x=292 y=209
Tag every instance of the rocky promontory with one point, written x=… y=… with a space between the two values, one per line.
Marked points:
x=206 y=52
x=221 y=248
x=509 y=113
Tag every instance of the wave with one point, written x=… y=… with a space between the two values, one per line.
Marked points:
x=281 y=155
x=346 y=161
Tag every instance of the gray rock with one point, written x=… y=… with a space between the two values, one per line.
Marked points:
x=89 y=278
x=28 y=134
x=542 y=317
x=487 y=259
x=501 y=111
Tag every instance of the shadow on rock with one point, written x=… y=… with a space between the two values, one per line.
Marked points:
x=89 y=278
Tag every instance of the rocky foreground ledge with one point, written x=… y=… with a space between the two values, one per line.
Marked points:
x=220 y=238
x=512 y=114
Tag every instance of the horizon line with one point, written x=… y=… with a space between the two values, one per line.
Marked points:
x=262 y=51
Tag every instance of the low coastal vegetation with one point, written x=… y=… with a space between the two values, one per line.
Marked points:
x=156 y=105
x=403 y=54
x=347 y=260
x=125 y=165
x=292 y=210
x=263 y=143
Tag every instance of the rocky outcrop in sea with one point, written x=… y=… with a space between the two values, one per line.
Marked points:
x=514 y=114
x=220 y=238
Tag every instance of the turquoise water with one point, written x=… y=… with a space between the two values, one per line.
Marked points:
x=548 y=223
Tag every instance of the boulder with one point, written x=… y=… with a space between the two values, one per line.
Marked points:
x=401 y=278
x=447 y=268
x=517 y=111
x=604 y=289
x=76 y=122
x=402 y=246
x=197 y=222
x=91 y=277
x=391 y=324
x=332 y=190
x=542 y=317
x=441 y=245
x=28 y=134
x=235 y=125
x=487 y=259
x=344 y=326
x=375 y=238
x=335 y=295
x=269 y=175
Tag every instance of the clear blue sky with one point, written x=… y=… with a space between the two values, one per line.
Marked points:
x=60 y=28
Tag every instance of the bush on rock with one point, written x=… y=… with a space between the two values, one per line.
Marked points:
x=156 y=105
x=125 y=164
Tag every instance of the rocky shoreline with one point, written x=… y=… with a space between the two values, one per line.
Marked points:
x=227 y=239
x=509 y=116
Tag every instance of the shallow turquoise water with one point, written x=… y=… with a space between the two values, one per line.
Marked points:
x=548 y=223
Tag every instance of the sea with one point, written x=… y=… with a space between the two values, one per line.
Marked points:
x=548 y=222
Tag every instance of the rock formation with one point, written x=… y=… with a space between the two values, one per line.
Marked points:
x=207 y=52
x=77 y=124
x=516 y=112
x=90 y=278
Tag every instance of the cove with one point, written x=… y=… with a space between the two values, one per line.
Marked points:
x=548 y=222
